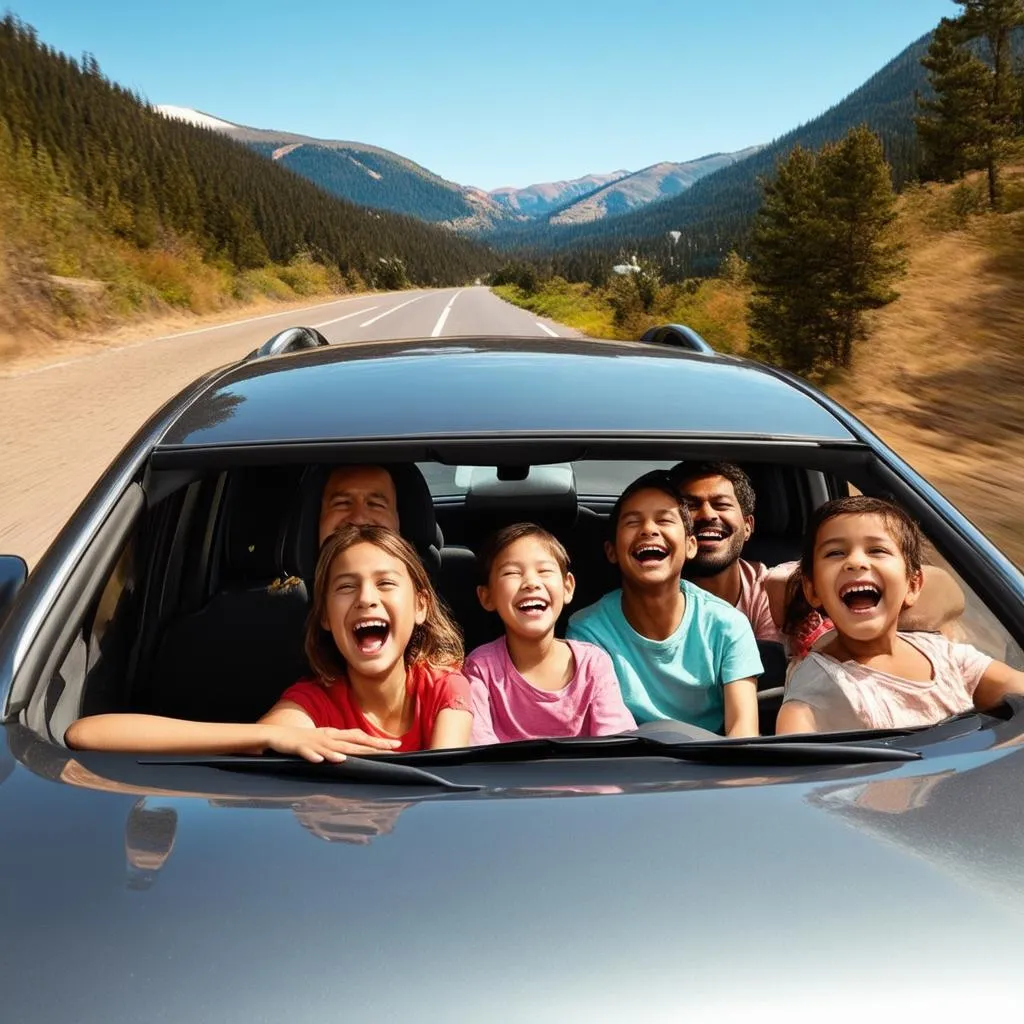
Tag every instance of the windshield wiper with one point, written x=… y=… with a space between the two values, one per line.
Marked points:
x=768 y=751
x=352 y=769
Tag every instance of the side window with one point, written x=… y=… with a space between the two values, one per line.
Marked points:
x=977 y=625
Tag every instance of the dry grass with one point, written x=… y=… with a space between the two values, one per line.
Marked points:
x=941 y=378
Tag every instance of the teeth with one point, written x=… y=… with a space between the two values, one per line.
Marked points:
x=371 y=624
x=531 y=605
x=860 y=588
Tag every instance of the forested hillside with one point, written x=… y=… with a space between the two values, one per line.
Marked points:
x=148 y=178
x=715 y=214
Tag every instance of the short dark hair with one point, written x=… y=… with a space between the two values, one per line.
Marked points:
x=904 y=531
x=685 y=471
x=655 y=480
x=493 y=546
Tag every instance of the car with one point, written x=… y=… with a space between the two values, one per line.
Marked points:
x=592 y=879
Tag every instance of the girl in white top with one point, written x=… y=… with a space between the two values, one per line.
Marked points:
x=861 y=567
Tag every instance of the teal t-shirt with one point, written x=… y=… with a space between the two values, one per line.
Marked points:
x=681 y=677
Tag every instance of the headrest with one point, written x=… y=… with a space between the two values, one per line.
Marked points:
x=546 y=496
x=415 y=516
x=259 y=504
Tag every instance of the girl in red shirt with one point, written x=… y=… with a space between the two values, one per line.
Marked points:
x=386 y=658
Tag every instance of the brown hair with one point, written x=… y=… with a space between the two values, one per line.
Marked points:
x=438 y=641
x=903 y=529
x=501 y=539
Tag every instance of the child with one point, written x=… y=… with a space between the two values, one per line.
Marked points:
x=679 y=652
x=385 y=655
x=861 y=567
x=528 y=684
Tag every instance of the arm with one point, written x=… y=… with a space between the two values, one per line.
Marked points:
x=795 y=716
x=608 y=713
x=741 y=707
x=483 y=725
x=941 y=600
x=997 y=681
x=451 y=729
x=285 y=729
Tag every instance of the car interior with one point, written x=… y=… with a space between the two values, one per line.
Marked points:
x=202 y=614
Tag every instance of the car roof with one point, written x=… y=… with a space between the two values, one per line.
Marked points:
x=473 y=387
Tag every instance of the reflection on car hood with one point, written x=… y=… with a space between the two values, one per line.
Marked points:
x=567 y=902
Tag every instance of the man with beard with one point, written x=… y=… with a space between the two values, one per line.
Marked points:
x=721 y=501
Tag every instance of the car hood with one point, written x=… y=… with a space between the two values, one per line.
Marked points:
x=870 y=891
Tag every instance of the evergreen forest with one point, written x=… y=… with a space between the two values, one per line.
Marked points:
x=149 y=177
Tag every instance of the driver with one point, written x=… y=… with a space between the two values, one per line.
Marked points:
x=362 y=495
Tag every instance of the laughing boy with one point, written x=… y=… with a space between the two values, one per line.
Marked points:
x=679 y=652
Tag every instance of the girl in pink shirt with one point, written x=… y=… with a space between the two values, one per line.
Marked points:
x=528 y=684
x=861 y=567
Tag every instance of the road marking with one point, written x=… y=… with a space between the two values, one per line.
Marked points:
x=388 y=312
x=347 y=316
x=444 y=315
x=115 y=349
x=546 y=329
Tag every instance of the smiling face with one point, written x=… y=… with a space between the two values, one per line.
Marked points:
x=363 y=495
x=371 y=608
x=651 y=542
x=719 y=525
x=527 y=587
x=860 y=576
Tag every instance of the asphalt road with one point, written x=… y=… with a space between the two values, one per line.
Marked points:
x=63 y=423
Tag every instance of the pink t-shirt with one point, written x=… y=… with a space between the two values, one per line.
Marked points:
x=846 y=695
x=753 y=600
x=507 y=707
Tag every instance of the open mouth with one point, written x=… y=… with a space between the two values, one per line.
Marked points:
x=860 y=597
x=532 y=606
x=371 y=635
x=650 y=553
x=711 y=534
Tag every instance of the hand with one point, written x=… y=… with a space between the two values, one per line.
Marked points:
x=325 y=744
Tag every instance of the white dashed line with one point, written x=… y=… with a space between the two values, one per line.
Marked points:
x=438 y=327
x=347 y=316
x=546 y=329
x=388 y=312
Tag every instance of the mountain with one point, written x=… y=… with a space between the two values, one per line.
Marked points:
x=378 y=178
x=715 y=214
x=659 y=181
x=364 y=174
x=153 y=181
x=538 y=200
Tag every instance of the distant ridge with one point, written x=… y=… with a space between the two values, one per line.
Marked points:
x=364 y=174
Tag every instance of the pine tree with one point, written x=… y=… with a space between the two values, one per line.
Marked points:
x=976 y=110
x=823 y=253
x=993 y=21
x=951 y=129
x=865 y=259
x=789 y=267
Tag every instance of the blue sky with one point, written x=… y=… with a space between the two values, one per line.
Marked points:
x=493 y=94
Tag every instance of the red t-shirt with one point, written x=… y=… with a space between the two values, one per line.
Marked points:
x=432 y=690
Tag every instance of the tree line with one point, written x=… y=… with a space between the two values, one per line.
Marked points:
x=148 y=176
x=822 y=252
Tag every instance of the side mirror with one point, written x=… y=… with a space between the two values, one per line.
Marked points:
x=13 y=573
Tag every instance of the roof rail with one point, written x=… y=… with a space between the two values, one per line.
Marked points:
x=679 y=335
x=291 y=339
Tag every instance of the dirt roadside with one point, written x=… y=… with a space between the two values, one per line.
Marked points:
x=64 y=416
